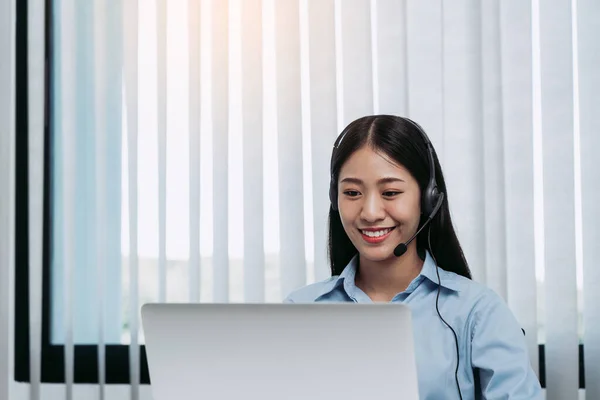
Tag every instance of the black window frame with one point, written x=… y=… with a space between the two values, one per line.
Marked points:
x=85 y=356
x=52 y=355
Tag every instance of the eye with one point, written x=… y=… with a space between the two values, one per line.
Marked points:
x=391 y=193
x=351 y=193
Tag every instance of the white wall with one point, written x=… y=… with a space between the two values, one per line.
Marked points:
x=7 y=70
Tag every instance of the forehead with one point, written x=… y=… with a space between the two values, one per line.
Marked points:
x=369 y=164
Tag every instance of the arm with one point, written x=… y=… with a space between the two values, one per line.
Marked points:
x=499 y=353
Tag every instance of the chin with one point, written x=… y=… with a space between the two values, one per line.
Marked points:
x=379 y=254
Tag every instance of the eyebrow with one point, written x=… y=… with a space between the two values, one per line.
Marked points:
x=380 y=181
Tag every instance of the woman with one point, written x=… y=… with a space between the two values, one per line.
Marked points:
x=391 y=239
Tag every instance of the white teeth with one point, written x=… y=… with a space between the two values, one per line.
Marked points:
x=375 y=234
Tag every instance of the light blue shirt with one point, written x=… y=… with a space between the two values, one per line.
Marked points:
x=494 y=361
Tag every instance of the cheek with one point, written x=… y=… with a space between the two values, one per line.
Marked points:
x=347 y=218
x=406 y=210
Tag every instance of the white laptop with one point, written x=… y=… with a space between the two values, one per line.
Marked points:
x=342 y=351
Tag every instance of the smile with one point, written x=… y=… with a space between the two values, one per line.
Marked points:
x=375 y=236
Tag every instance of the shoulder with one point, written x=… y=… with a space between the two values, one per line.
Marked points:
x=477 y=300
x=309 y=293
x=482 y=297
x=467 y=289
x=488 y=312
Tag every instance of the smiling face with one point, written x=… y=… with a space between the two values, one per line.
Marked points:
x=378 y=202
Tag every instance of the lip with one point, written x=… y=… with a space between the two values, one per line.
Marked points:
x=375 y=240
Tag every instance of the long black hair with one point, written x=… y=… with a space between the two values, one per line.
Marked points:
x=400 y=140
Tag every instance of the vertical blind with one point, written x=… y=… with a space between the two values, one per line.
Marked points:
x=556 y=75
x=7 y=190
x=36 y=121
x=588 y=87
x=191 y=144
x=519 y=149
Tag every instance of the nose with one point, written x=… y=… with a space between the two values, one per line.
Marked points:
x=373 y=209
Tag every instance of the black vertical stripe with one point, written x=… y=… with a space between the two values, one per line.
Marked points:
x=21 y=197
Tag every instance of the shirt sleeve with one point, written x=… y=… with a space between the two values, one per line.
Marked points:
x=499 y=353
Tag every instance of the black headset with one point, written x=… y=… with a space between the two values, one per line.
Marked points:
x=431 y=201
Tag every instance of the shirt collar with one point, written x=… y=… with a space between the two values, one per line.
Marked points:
x=447 y=279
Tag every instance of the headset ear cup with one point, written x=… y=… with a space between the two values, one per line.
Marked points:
x=430 y=198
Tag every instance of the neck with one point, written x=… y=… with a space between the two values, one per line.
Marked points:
x=382 y=280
